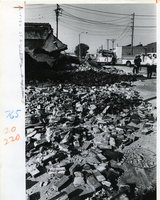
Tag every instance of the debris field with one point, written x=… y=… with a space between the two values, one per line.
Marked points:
x=83 y=138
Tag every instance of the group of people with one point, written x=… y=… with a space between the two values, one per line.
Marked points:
x=151 y=63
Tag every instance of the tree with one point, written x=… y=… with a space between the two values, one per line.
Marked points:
x=83 y=50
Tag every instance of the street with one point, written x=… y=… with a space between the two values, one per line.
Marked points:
x=146 y=87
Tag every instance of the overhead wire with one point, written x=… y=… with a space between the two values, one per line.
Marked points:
x=80 y=28
x=93 y=21
x=41 y=6
x=91 y=28
x=90 y=21
x=124 y=38
x=146 y=16
x=97 y=11
x=104 y=15
x=62 y=23
x=123 y=32
x=101 y=28
x=111 y=13
x=100 y=22
x=124 y=35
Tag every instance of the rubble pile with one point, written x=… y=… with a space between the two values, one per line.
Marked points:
x=77 y=139
x=80 y=76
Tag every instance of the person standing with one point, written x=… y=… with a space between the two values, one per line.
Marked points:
x=137 y=63
x=135 y=66
x=114 y=60
x=154 y=63
x=149 y=63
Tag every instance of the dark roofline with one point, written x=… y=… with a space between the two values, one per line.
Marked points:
x=151 y=44
x=36 y=24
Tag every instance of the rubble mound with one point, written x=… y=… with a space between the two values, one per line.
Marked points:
x=80 y=75
x=81 y=127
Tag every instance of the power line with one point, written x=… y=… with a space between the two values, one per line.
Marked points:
x=123 y=32
x=125 y=35
x=77 y=28
x=89 y=21
x=68 y=14
x=97 y=10
x=128 y=35
x=34 y=6
x=145 y=26
x=92 y=27
x=103 y=23
x=93 y=21
x=146 y=18
x=104 y=15
x=145 y=15
x=80 y=28
x=113 y=13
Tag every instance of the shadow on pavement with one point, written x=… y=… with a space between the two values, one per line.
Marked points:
x=142 y=78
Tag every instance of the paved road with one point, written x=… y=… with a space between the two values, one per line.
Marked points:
x=146 y=87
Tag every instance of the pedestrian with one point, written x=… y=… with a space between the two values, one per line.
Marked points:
x=135 y=66
x=137 y=63
x=154 y=63
x=113 y=60
x=154 y=59
x=149 y=63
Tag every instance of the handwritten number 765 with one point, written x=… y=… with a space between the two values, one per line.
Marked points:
x=11 y=114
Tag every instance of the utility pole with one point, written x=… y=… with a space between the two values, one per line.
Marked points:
x=107 y=44
x=57 y=11
x=132 y=33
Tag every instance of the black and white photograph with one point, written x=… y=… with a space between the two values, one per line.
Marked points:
x=90 y=101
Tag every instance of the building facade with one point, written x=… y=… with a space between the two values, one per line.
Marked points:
x=151 y=48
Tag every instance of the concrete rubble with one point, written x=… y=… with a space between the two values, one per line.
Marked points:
x=79 y=142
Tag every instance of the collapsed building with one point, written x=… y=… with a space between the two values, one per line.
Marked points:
x=41 y=46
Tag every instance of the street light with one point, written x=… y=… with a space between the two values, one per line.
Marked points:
x=79 y=44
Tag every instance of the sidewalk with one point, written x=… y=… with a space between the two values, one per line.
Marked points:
x=146 y=87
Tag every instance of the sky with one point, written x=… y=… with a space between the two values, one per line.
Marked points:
x=101 y=22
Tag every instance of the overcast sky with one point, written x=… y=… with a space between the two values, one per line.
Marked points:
x=101 y=21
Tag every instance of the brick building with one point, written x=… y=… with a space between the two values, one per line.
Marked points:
x=139 y=49
x=151 y=48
